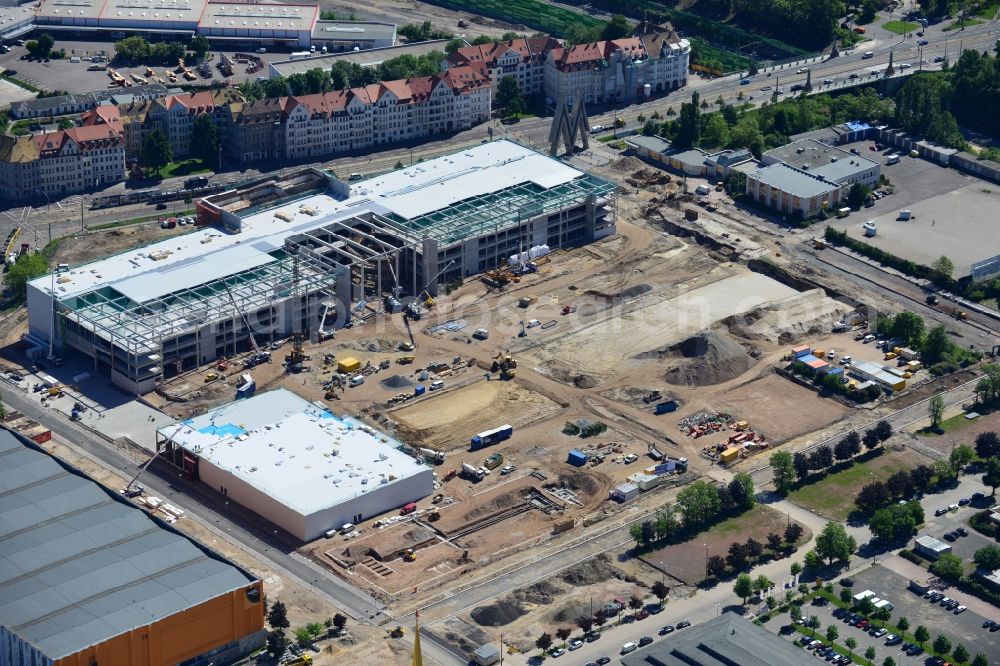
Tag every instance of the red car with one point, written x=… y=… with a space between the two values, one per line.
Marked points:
x=863 y=624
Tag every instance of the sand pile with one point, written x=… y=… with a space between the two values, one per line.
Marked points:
x=707 y=358
x=578 y=482
x=801 y=315
x=395 y=382
x=596 y=570
x=570 y=612
x=629 y=164
x=497 y=614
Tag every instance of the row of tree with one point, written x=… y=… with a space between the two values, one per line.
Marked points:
x=935 y=345
x=277 y=618
x=156 y=151
x=789 y=469
x=137 y=49
x=746 y=554
x=698 y=505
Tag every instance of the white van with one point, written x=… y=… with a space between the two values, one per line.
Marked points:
x=702 y=190
x=437 y=384
x=893 y=159
x=629 y=647
x=357 y=380
x=867 y=54
x=74 y=59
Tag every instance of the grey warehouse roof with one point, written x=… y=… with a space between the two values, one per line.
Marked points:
x=353 y=31
x=365 y=58
x=795 y=182
x=80 y=565
x=722 y=641
x=821 y=159
x=653 y=143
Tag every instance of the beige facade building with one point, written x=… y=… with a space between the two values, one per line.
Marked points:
x=523 y=59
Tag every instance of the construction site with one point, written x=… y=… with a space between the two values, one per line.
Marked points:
x=536 y=367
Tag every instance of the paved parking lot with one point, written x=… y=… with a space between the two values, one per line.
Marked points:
x=965 y=628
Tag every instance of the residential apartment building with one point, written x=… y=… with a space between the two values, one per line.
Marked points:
x=655 y=60
x=523 y=59
x=61 y=163
x=175 y=115
x=313 y=126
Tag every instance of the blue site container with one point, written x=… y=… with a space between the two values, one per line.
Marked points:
x=419 y=389
x=666 y=407
x=577 y=458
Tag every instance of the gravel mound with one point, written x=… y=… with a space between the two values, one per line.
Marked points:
x=578 y=482
x=707 y=358
x=395 y=382
x=543 y=592
x=570 y=612
x=628 y=164
x=596 y=570
x=497 y=614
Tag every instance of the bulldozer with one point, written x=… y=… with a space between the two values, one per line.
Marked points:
x=504 y=365
x=433 y=515
x=396 y=632
x=409 y=555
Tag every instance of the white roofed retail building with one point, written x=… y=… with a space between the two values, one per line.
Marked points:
x=295 y=463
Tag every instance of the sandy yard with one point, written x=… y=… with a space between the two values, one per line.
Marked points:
x=452 y=417
x=779 y=408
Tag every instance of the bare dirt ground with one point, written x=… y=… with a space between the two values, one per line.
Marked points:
x=781 y=409
x=452 y=417
x=84 y=247
x=966 y=434
x=686 y=561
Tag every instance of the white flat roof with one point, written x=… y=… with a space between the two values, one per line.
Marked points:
x=295 y=451
x=206 y=254
x=483 y=169
x=258 y=16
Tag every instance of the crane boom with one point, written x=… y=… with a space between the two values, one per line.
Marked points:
x=253 y=341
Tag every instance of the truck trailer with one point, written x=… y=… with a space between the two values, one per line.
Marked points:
x=490 y=437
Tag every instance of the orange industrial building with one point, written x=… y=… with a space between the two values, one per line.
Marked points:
x=87 y=578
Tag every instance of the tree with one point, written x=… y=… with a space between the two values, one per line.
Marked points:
x=156 y=152
x=813 y=560
x=666 y=523
x=634 y=602
x=870 y=653
x=935 y=409
x=900 y=484
x=716 y=132
x=617 y=28
x=850 y=643
x=544 y=642
x=689 y=124
x=949 y=567
x=832 y=633
x=635 y=531
x=941 y=644
x=921 y=634
x=944 y=470
x=660 y=590
x=921 y=475
x=987 y=444
x=961 y=456
x=783 y=471
x=339 y=621
x=884 y=430
x=716 y=566
x=944 y=266
x=205 y=140
x=737 y=557
x=3 y=411
x=834 y=544
x=507 y=92
x=276 y=642
x=872 y=496
x=961 y=654
x=762 y=584
x=26 y=268
x=743 y=587
x=600 y=617
x=903 y=624
x=857 y=195
x=774 y=541
x=793 y=532
x=980 y=660
x=648 y=532
x=866 y=607
x=742 y=490
x=795 y=569
x=277 y=617
x=821 y=457
x=133 y=49
x=882 y=615
x=200 y=46
x=42 y=47
x=801 y=464
x=892 y=524
x=726 y=502
x=870 y=439
x=454 y=45
x=585 y=622
x=988 y=557
x=699 y=502
x=908 y=327
x=937 y=346
x=562 y=633
x=991 y=477
x=888 y=661
x=754 y=548
x=842 y=450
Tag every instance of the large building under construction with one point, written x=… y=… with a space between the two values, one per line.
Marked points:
x=88 y=578
x=309 y=252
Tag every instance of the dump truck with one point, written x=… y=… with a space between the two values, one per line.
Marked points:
x=493 y=461
x=405 y=360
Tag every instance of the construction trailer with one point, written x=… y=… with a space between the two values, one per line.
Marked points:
x=493 y=436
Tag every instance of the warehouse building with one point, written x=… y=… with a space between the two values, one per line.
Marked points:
x=879 y=375
x=295 y=463
x=371 y=58
x=724 y=640
x=340 y=36
x=829 y=162
x=87 y=578
x=309 y=250
x=793 y=191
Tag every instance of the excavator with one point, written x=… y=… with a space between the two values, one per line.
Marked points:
x=504 y=365
x=409 y=555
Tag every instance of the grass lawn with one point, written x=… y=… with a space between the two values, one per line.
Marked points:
x=900 y=27
x=951 y=424
x=184 y=168
x=833 y=496
x=988 y=10
x=958 y=25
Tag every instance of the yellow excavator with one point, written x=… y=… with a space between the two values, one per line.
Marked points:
x=504 y=365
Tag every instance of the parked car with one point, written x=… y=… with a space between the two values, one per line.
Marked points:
x=960 y=609
x=603 y=660
x=558 y=652
x=666 y=630
x=893 y=639
x=962 y=532
x=507 y=469
x=880 y=633
x=575 y=644
x=645 y=640
x=682 y=624
x=950 y=536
